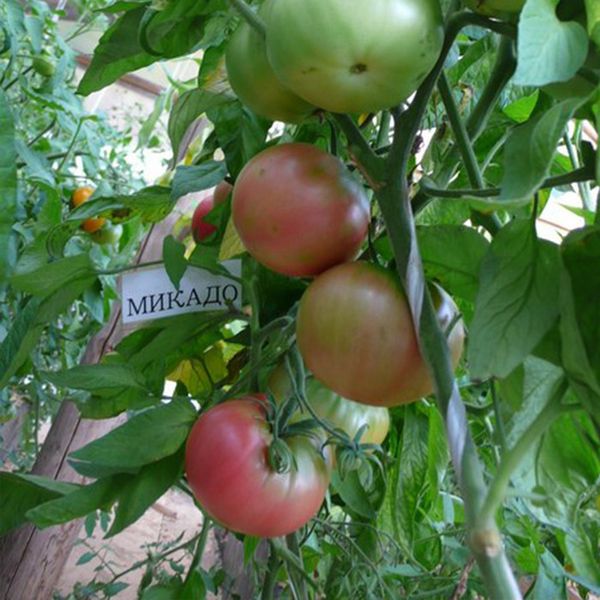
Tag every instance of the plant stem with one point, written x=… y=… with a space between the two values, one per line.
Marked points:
x=294 y=548
x=465 y=147
x=465 y=144
x=513 y=457
x=577 y=176
x=250 y=16
x=270 y=580
x=200 y=546
x=502 y=71
x=394 y=201
x=498 y=416
x=584 y=189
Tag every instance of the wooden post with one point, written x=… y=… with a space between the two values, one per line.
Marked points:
x=31 y=560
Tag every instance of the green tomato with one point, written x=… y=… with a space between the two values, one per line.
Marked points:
x=108 y=234
x=347 y=415
x=254 y=82
x=495 y=7
x=43 y=66
x=352 y=56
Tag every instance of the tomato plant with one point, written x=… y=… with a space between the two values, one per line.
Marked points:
x=342 y=58
x=201 y=229
x=298 y=210
x=253 y=80
x=227 y=466
x=356 y=335
x=441 y=145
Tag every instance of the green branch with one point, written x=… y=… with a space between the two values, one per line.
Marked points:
x=577 y=176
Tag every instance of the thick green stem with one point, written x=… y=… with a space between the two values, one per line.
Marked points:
x=294 y=548
x=513 y=457
x=249 y=15
x=270 y=581
x=393 y=198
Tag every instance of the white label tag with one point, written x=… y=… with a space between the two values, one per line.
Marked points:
x=149 y=294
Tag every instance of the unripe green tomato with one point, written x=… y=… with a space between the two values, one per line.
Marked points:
x=43 y=66
x=254 y=82
x=344 y=414
x=109 y=234
x=493 y=8
x=354 y=56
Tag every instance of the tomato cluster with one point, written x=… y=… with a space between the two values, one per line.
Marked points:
x=300 y=212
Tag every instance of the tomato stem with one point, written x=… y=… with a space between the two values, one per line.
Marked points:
x=394 y=201
x=250 y=16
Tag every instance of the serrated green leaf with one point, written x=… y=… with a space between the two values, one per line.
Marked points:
x=517 y=302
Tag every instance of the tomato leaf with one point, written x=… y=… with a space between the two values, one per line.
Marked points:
x=593 y=20
x=140 y=492
x=549 y=49
x=517 y=301
x=77 y=503
x=29 y=323
x=152 y=204
x=457 y=271
x=580 y=318
x=8 y=188
x=353 y=493
x=550 y=581
x=98 y=377
x=529 y=151
x=20 y=493
x=52 y=276
x=190 y=106
x=174 y=260
x=158 y=432
x=118 y=52
x=196 y=178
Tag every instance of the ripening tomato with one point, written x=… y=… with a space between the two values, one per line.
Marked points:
x=201 y=229
x=495 y=7
x=227 y=466
x=80 y=195
x=356 y=335
x=352 y=56
x=254 y=82
x=344 y=414
x=298 y=210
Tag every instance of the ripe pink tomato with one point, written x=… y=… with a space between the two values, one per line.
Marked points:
x=298 y=210
x=228 y=469
x=201 y=229
x=356 y=335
